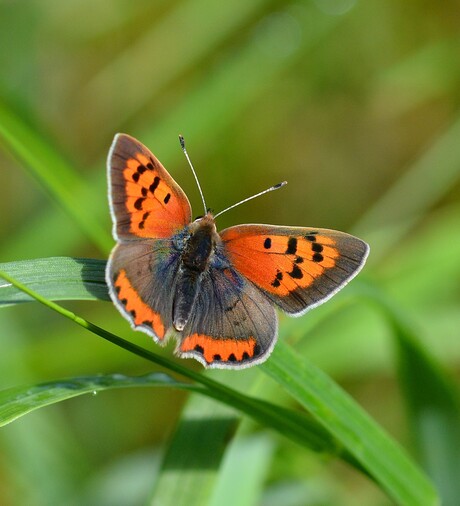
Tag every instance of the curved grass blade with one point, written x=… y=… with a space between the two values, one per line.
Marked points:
x=57 y=177
x=18 y=401
x=434 y=413
x=352 y=426
x=56 y=278
x=433 y=404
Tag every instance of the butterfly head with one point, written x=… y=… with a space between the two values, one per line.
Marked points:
x=203 y=225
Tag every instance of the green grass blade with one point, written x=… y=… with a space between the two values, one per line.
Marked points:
x=58 y=178
x=18 y=401
x=246 y=463
x=56 y=278
x=434 y=408
x=424 y=183
x=195 y=453
x=187 y=49
x=348 y=422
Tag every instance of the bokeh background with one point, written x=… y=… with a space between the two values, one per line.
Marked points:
x=355 y=103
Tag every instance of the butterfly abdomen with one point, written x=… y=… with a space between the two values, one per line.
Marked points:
x=194 y=261
x=186 y=290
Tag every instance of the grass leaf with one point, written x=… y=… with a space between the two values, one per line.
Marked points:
x=195 y=453
x=18 y=401
x=58 y=178
x=382 y=457
x=433 y=406
x=56 y=278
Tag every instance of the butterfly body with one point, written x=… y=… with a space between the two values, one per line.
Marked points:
x=197 y=254
x=214 y=291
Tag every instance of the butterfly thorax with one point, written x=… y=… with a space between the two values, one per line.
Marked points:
x=200 y=244
x=195 y=258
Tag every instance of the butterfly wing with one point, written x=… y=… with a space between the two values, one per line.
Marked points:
x=144 y=199
x=232 y=326
x=149 y=211
x=296 y=268
x=140 y=276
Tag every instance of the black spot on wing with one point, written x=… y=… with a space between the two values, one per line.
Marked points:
x=155 y=184
x=296 y=273
x=138 y=203
x=292 y=246
x=317 y=257
x=144 y=217
x=316 y=247
x=276 y=282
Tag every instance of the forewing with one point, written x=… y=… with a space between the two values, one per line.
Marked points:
x=297 y=268
x=232 y=326
x=141 y=278
x=144 y=199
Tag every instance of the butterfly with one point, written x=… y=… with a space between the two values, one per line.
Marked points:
x=216 y=292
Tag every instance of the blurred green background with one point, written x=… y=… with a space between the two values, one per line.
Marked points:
x=356 y=104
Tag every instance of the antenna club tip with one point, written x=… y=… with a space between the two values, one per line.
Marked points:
x=182 y=141
x=280 y=185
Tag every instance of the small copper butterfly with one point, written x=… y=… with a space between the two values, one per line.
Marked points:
x=217 y=290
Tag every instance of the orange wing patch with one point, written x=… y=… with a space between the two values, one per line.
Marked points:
x=141 y=313
x=218 y=349
x=145 y=199
x=150 y=201
x=280 y=264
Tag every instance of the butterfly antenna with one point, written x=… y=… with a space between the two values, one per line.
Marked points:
x=182 y=145
x=272 y=188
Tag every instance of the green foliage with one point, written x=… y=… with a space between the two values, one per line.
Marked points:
x=356 y=105
x=341 y=418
